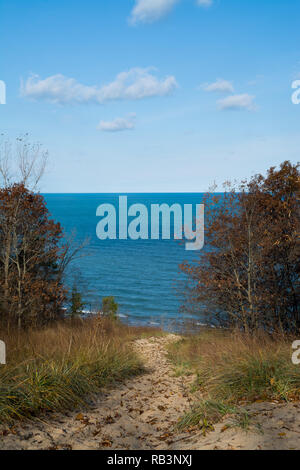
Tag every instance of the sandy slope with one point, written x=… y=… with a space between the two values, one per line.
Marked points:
x=141 y=414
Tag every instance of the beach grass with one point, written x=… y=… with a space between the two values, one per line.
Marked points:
x=61 y=366
x=233 y=370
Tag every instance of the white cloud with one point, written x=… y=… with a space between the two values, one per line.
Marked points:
x=147 y=11
x=118 y=124
x=220 y=85
x=237 y=102
x=134 y=84
x=204 y=3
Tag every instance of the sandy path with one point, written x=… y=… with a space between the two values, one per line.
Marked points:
x=141 y=413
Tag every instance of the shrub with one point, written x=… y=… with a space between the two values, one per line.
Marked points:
x=110 y=307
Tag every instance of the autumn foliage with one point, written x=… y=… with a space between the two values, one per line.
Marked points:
x=248 y=275
x=31 y=259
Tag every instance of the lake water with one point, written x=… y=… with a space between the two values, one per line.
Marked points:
x=143 y=275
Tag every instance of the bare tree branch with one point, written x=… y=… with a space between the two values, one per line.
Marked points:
x=21 y=162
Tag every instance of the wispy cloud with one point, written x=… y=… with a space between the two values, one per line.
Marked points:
x=219 y=85
x=237 y=102
x=134 y=84
x=148 y=11
x=204 y=3
x=118 y=124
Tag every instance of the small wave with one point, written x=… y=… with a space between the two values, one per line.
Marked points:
x=121 y=315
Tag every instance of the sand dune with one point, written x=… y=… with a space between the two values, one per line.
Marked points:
x=141 y=414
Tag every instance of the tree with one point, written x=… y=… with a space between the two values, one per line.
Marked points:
x=21 y=162
x=109 y=307
x=248 y=276
x=77 y=304
x=31 y=291
x=34 y=255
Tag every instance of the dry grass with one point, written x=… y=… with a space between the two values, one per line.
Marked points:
x=233 y=369
x=60 y=366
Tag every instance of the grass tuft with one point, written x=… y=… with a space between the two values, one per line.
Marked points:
x=235 y=370
x=59 y=367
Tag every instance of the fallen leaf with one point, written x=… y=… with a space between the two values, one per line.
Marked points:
x=162 y=408
x=109 y=420
x=106 y=443
x=79 y=417
x=165 y=436
x=224 y=428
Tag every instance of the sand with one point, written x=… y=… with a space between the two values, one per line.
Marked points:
x=141 y=414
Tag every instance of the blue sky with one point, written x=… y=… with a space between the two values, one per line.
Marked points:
x=151 y=95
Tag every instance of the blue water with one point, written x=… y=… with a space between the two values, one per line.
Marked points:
x=143 y=275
